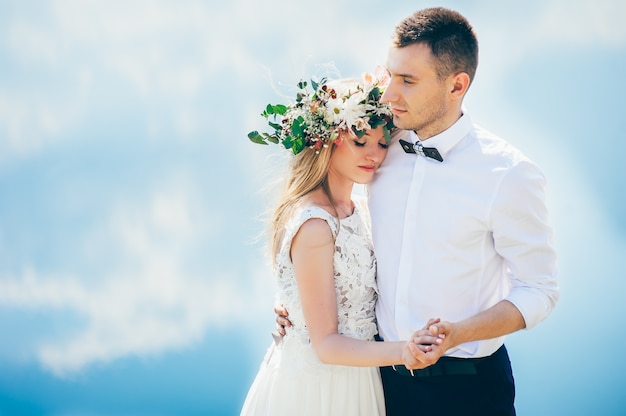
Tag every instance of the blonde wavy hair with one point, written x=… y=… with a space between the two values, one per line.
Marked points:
x=308 y=168
x=307 y=171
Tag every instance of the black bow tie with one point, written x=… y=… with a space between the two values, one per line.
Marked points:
x=418 y=148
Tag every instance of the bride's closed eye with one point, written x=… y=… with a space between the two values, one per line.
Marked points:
x=383 y=145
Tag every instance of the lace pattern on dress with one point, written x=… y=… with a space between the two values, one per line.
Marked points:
x=355 y=276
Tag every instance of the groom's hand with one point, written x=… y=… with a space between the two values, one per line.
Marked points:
x=442 y=330
x=282 y=320
x=425 y=346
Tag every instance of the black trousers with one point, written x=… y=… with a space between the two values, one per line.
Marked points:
x=449 y=388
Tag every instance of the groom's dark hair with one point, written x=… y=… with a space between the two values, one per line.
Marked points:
x=449 y=35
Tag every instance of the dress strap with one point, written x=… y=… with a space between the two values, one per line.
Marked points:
x=302 y=216
x=313 y=211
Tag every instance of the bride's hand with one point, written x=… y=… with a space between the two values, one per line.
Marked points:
x=415 y=353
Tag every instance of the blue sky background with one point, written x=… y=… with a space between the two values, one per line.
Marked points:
x=131 y=280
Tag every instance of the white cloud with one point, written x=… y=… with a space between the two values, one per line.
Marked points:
x=90 y=55
x=146 y=302
x=59 y=63
x=33 y=44
x=150 y=312
x=552 y=27
x=32 y=119
x=583 y=24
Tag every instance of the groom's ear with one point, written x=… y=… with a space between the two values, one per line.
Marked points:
x=459 y=83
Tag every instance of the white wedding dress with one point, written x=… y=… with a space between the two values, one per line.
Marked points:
x=291 y=380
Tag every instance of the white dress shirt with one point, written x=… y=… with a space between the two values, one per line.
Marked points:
x=453 y=238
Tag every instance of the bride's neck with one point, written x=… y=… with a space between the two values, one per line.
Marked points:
x=340 y=189
x=341 y=196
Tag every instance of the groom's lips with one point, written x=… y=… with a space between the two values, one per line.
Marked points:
x=397 y=111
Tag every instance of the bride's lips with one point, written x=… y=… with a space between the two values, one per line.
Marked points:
x=368 y=168
x=397 y=111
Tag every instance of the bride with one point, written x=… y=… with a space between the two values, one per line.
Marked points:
x=327 y=363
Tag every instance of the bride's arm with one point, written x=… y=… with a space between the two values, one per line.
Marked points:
x=312 y=253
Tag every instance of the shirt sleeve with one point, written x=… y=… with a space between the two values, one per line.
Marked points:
x=524 y=238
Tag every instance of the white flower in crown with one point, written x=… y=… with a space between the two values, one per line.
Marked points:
x=334 y=110
x=354 y=111
x=316 y=119
x=380 y=77
x=361 y=124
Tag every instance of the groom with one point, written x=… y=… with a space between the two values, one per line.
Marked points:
x=460 y=230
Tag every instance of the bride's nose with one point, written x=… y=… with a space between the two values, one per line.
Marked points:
x=375 y=154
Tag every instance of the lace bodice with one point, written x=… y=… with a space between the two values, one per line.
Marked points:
x=355 y=274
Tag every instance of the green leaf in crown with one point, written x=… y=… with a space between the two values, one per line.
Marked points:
x=317 y=118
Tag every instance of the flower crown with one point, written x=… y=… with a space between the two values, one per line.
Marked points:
x=316 y=120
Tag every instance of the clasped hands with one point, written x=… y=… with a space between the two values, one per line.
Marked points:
x=422 y=349
x=426 y=345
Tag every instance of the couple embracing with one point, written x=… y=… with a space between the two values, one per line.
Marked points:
x=400 y=305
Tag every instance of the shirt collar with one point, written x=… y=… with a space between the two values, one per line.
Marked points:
x=449 y=138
